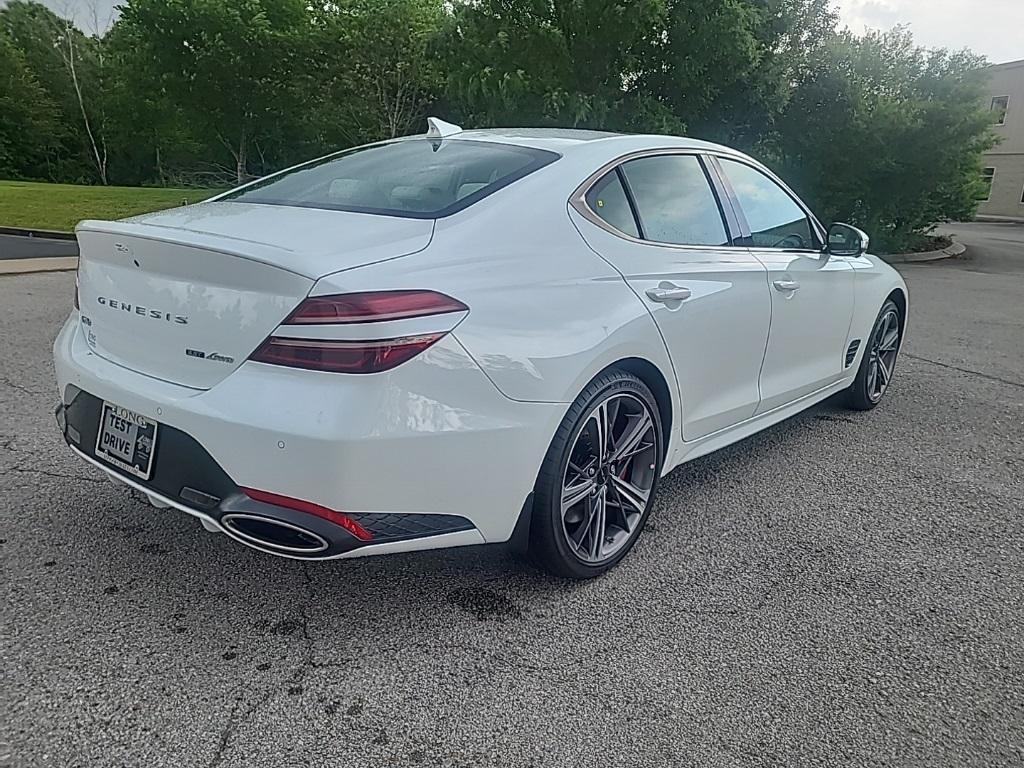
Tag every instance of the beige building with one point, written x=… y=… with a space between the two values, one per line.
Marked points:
x=1004 y=164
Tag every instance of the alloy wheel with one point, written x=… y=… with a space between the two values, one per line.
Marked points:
x=885 y=345
x=609 y=477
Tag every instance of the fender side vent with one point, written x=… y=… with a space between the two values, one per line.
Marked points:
x=851 y=353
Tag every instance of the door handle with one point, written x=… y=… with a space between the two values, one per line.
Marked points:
x=786 y=285
x=674 y=293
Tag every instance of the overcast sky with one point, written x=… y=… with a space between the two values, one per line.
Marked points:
x=994 y=28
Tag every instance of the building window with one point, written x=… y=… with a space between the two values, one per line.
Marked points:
x=988 y=175
x=1000 y=104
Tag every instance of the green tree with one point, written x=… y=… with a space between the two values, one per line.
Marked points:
x=30 y=132
x=552 y=62
x=372 y=68
x=872 y=129
x=723 y=68
x=230 y=63
x=757 y=50
x=68 y=66
x=155 y=142
x=886 y=135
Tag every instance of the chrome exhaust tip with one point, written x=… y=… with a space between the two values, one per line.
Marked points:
x=275 y=537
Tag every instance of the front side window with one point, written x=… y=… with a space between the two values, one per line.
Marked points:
x=416 y=178
x=988 y=175
x=1000 y=105
x=608 y=200
x=674 y=201
x=775 y=219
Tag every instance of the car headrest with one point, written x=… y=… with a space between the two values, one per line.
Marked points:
x=465 y=190
x=356 y=192
x=420 y=198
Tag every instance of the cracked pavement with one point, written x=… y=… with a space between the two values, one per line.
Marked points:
x=842 y=589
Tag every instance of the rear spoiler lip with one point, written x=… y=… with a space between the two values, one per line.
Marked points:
x=231 y=246
x=285 y=259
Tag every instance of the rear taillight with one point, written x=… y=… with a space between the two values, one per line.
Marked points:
x=357 y=355
x=373 y=356
x=372 y=307
x=338 y=518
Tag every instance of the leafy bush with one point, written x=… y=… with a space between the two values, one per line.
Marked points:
x=886 y=136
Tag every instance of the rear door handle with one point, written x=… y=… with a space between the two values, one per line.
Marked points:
x=674 y=293
x=786 y=285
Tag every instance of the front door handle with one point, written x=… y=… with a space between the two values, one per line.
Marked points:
x=786 y=285
x=673 y=293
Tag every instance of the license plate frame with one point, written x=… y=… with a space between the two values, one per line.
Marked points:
x=126 y=440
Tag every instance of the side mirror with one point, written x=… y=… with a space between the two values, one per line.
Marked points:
x=844 y=240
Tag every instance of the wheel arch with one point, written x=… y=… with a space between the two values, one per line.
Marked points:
x=655 y=380
x=899 y=297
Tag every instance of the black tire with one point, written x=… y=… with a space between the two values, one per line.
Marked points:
x=862 y=394
x=549 y=537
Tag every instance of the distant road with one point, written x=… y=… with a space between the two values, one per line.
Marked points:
x=15 y=247
x=994 y=247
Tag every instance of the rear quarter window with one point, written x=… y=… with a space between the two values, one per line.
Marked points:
x=416 y=178
x=608 y=200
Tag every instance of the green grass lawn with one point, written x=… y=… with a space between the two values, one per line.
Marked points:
x=61 y=206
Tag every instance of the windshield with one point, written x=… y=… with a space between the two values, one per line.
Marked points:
x=418 y=178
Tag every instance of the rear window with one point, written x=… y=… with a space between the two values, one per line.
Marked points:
x=417 y=178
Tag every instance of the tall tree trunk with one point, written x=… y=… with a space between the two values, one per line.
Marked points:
x=240 y=159
x=159 y=161
x=69 y=60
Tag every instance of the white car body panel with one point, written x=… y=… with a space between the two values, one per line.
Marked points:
x=306 y=241
x=146 y=317
x=460 y=539
x=810 y=326
x=462 y=428
x=357 y=443
x=721 y=439
x=724 y=282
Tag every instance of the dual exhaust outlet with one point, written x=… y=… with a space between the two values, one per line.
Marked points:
x=287 y=527
x=275 y=537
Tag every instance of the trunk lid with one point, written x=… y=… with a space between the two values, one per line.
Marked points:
x=187 y=296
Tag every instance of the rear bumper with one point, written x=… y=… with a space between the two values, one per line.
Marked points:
x=432 y=438
x=184 y=476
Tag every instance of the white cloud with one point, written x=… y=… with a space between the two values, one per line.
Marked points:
x=994 y=28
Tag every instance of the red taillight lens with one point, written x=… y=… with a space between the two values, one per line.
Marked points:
x=372 y=307
x=338 y=518
x=357 y=356
x=373 y=356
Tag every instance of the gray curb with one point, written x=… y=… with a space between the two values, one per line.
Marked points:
x=38 y=264
x=45 y=234
x=954 y=251
x=993 y=219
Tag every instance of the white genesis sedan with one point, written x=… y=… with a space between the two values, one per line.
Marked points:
x=464 y=337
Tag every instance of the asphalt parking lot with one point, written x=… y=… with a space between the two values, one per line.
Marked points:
x=843 y=589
